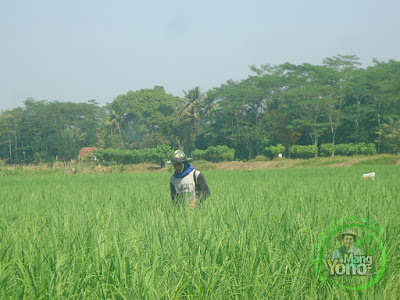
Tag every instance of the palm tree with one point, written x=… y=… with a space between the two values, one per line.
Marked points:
x=190 y=108
x=115 y=119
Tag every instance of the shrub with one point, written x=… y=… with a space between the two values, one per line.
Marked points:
x=366 y=149
x=214 y=154
x=326 y=150
x=147 y=155
x=371 y=149
x=161 y=154
x=300 y=151
x=352 y=149
x=260 y=158
x=345 y=149
x=198 y=154
x=273 y=151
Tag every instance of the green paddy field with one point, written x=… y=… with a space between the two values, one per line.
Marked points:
x=118 y=236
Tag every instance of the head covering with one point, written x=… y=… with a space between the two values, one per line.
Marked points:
x=179 y=157
x=347 y=232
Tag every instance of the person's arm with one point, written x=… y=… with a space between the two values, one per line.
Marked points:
x=202 y=190
x=173 y=192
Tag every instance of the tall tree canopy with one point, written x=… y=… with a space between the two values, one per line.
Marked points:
x=144 y=118
x=335 y=102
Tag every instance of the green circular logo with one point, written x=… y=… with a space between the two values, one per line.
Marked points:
x=382 y=249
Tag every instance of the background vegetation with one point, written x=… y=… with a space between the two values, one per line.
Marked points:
x=337 y=102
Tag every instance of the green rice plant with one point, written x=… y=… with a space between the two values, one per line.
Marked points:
x=119 y=236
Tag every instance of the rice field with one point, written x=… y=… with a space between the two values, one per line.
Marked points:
x=118 y=236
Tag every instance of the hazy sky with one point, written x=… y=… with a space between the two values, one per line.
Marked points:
x=94 y=49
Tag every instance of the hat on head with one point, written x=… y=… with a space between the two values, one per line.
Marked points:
x=347 y=232
x=179 y=157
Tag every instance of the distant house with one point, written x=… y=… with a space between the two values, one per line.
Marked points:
x=87 y=152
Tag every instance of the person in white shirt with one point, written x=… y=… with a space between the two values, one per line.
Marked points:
x=188 y=185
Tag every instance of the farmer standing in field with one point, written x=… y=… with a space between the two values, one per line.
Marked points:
x=188 y=185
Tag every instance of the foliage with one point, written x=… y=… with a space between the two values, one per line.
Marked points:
x=162 y=154
x=326 y=149
x=299 y=151
x=48 y=131
x=189 y=112
x=347 y=149
x=366 y=149
x=391 y=137
x=214 y=154
x=145 y=118
x=157 y=155
x=198 y=154
x=337 y=103
x=273 y=151
x=260 y=158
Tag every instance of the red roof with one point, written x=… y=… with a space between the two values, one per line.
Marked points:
x=87 y=150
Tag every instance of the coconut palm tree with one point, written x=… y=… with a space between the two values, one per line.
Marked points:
x=115 y=118
x=190 y=107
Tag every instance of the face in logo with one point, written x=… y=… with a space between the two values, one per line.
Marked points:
x=348 y=241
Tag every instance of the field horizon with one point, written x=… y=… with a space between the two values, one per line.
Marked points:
x=255 y=164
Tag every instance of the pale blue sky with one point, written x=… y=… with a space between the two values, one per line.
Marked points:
x=87 y=49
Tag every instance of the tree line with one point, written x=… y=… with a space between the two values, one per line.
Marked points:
x=337 y=102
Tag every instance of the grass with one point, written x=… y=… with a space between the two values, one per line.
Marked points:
x=277 y=163
x=118 y=236
x=383 y=159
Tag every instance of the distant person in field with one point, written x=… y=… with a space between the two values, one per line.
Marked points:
x=347 y=238
x=188 y=185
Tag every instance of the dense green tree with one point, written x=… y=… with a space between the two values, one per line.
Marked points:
x=310 y=98
x=145 y=118
x=342 y=69
x=391 y=136
x=237 y=117
x=384 y=89
x=46 y=131
x=358 y=106
x=10 y=131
